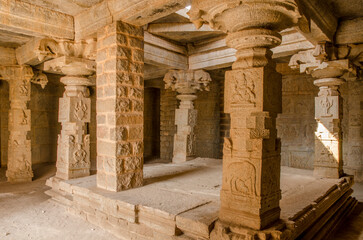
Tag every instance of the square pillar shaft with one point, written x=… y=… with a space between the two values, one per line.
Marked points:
x=120 y=101
x=19 y=146
x=251 y=156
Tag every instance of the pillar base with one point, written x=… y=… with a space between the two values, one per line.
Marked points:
x=17 y=178
x=223 y=231
x=327 y=172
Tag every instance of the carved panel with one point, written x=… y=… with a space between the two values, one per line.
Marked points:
x=242 y=178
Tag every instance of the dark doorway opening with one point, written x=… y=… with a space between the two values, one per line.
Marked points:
x=151 y=124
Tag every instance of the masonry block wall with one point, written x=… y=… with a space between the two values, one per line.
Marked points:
x=120 y=61
x=44 y=120
x=93 y=131
x=168 y=104
x=296 y=124
x=352 y=127
x=4 y=118
x=207 y=127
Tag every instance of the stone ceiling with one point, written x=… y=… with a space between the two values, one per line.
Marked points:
x=347 y=8
x=71 y=7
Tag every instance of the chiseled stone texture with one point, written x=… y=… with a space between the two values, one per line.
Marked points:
x=45 y=126
x=4 y=118
x=352 y=128
x=207 y=127
x=120 y=62
x=168 y=104
x=296 y=125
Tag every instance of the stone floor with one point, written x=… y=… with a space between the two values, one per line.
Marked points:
x=26 y=212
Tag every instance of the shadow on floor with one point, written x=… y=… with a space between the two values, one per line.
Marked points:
x=352 y=228
x=162 y=178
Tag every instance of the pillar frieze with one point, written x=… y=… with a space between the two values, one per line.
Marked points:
x=73 y=154
x=19 y=167
x=250 y=192
x=186 y=83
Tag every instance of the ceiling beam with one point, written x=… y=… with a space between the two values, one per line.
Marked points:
x=137 y=13
x=323 y=23
x=216 y=54
x=350 y=31
x=31 y=20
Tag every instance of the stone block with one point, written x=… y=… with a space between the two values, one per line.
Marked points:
x=198 y=222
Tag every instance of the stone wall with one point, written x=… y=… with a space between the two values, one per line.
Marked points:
x=168 y=104
x=4 y=116
x=207 y=127
x=44 y=118
x=296 y=124
x=352 y=127
x=93 y=131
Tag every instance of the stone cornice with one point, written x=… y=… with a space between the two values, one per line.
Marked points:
x=31 y=20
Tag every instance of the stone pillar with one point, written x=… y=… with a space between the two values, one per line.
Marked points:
x=251 y=156
x=120 y=101
x=186 y=83
x=328 y=162
x=328 y=136
x=19 y=146
x=73 y=153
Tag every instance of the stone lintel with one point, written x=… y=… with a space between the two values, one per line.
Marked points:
x=322 y=22
x=177 y=27
x=350 y=31
x=28 y=19
x=136 y=13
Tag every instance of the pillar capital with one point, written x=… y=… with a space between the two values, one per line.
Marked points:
x=324 y=62
x=187 y=81
x=71 y=66
x=252 y=26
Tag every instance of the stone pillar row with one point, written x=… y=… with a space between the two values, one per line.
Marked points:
x=186 y=83
x=250 y=192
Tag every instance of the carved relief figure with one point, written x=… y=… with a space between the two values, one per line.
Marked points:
x=24 y=120
x=79 y=155
x=242 y=179
x=80 y=110
x=23 y=88
x=244 y=92
x=326 y=104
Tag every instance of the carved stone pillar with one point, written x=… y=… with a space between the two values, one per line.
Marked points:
x=186 y=83
x=328 y=136
x=19 y=147
x=73 y=156
x=251 y=157
x=328 y=162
